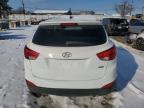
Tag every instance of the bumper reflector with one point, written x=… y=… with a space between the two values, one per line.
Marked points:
x=30 y=84
x=108 y=86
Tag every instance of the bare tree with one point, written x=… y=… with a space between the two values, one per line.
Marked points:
x=4 y=8
x=124 y=8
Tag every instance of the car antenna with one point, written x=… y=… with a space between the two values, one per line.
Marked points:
x=70 y=13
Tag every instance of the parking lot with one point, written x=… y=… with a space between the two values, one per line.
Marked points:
x=14 y=93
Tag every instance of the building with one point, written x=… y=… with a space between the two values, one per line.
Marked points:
x=49 y=12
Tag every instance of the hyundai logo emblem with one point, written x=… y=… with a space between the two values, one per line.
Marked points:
x=66 y=54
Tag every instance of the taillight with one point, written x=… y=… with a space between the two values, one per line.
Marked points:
x=107 y=55
x=68 y=24
x=30 y=54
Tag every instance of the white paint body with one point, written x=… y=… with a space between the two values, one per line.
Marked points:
x=83 y=70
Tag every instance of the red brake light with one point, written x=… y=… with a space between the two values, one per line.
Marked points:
x=30 y=54
x=107 y=55
x=68 y=24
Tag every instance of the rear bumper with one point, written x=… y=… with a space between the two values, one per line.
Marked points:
x=109 y=77
x=66 y=87
x=70 y=92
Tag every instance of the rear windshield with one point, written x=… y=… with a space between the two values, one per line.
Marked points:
x=119 y=21
x=70 y=36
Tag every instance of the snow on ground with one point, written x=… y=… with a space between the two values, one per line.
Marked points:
x=12 y=86
x=130 y=81
x=14 y=93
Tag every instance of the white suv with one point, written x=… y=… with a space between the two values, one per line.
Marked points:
x=70 y=56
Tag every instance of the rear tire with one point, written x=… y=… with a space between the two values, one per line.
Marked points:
x=140 y=43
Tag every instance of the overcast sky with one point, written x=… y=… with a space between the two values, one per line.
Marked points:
x=104 y=6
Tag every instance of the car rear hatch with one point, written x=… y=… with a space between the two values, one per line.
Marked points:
x=69 y=52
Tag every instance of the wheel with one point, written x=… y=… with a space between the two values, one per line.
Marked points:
x=140 y=43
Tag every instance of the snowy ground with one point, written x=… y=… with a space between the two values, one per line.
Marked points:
x=130 y=81
x=14 y=93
